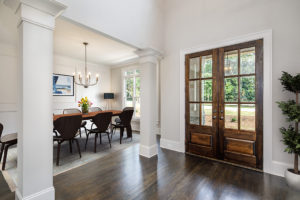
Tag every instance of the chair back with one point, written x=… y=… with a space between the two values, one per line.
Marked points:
x=71 y=111
x=128 y=108
x=126 y=117
x=68 y=126
x=94 y=109
x=102 y=121
x=1 y=129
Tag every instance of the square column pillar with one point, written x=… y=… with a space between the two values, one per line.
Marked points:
x=35 y=120
x=148 y=62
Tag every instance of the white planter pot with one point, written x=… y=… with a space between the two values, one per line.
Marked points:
x=292 y=179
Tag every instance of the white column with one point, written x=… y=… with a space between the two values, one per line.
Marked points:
x=35 y=123
x=148 y=62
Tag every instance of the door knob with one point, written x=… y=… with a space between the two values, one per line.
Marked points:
x=221 y=118
x=214 y=117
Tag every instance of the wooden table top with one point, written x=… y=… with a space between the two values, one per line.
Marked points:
x=90 y=115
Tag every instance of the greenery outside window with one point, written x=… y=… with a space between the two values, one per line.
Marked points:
x=131 y=88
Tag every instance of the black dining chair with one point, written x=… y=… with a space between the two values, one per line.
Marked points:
x=118 y=120
x=6 y=141
x=101 y=121
x=67 y=127
x=125 y=122
x=76 y=111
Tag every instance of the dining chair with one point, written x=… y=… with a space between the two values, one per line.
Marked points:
x=94 y=109
x=67 y=127
x=75 y=111
x=125 y=122
x=118 y=120
x=102 y=121
x=6 y=141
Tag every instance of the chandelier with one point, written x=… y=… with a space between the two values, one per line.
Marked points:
x=87 y=76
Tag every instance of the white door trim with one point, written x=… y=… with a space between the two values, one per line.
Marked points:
x=266 y=35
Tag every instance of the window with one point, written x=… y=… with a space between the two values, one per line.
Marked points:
x=131 y=95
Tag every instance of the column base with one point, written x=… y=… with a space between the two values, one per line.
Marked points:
x=46 y=194
x=148 y=151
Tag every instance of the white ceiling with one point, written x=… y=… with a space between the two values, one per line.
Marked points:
x=68 y=39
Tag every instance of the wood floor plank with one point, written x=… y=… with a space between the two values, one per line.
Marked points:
x=125 y=175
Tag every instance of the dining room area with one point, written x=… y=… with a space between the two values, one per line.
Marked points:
x=94 y=109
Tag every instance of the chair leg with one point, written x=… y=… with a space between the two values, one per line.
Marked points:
x=58 y=152
x=80 y=131
x=85 y=130
x=121 y=134
x=109 y=139
x=2 y=150
x=100 y=138
x=129 y=131
x=95 y=147
x=5 y=155
x=86 y=141
x=70 y=143
x=78 y=147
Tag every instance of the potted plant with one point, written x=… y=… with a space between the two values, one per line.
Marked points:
x=84 y=103
x=291 y=135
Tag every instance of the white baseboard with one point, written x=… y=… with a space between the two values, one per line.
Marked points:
x=46 y=194
x=172 y=145
x=278 y=168
x=147 y=151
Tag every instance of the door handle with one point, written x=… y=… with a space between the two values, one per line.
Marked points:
x=214 y=117
x=221 y=118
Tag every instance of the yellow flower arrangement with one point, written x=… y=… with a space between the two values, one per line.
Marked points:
x=84 y=103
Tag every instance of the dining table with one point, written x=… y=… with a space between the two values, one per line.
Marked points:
x=90 y=115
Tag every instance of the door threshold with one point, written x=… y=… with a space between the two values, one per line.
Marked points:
x=225 y=162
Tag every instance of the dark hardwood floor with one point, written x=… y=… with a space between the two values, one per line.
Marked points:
x=126 y=175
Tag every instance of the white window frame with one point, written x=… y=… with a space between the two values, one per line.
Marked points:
x=132 y=68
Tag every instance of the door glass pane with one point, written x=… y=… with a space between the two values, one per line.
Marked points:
x=231 y=116
x=194 y=113
x=194 y=68
x=231 y=63
x=206 y=114
x=247 y=89
x=247 y=60
x=194 y=90
x=137 y=97
x=129 y=92
x=206 y=90
x=248 y=117
x=206 y=66
x=231 y=89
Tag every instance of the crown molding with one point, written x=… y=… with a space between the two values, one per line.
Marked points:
x=51 y=7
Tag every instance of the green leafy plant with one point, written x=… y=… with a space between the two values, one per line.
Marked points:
x=233 y=119
x=291 y=108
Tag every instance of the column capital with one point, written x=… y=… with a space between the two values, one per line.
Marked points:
x=149 y=55
x=38 y=12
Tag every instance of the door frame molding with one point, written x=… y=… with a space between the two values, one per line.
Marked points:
x=266 y=35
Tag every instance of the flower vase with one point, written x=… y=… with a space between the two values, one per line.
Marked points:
x=85 y=109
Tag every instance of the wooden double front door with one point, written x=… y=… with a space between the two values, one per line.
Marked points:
x=224 y=103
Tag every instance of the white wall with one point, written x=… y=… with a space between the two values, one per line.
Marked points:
x=136 y=22
x=66 y=65
x=192 y=23
x=62 y=65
